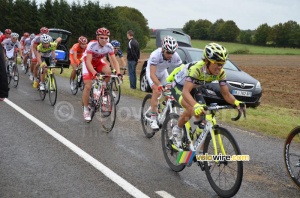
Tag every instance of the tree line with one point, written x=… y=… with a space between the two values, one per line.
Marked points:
x=280 y=35
x=81 y=20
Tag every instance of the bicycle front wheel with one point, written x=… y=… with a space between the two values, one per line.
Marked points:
x=225 y=177
x=15 y=76
x=107 y=111
x=171 y=155
x=52 y=89
x=116 y=89
x=291 y=154
x=8 y=74
x=146 y=116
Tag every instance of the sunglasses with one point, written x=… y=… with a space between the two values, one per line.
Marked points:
x=7 y=33
x=216 y=62
x=103 y=38
x=170 y=52
x=116 y=48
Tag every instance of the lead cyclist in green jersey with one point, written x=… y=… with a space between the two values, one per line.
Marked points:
x=187 y=81
x=45 y=56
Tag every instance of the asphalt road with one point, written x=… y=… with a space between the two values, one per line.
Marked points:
x=35 y=164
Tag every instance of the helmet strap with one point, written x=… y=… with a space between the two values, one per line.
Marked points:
x=207 y=66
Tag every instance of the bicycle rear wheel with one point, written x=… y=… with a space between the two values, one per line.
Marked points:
x=225 y=177
x=52 y=89
x=171 y=155
x=291 y=154
x=15 y=76
x=116 y=89
x=8 y=74
x=75 y=90
x=146 y=116
x=27 y=66
x=107 y=112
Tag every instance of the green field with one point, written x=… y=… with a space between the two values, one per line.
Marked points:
x=236 y=48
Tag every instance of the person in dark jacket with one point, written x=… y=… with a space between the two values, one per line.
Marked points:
x=3 y=77
x=133 y=56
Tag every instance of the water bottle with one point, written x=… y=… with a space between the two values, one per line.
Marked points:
x=95 y=90
x=79 y=77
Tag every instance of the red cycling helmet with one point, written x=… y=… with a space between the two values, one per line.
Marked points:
x=8 y=31
x=26 y=34
x=103 y=31
x=82 y=40
x=44 y=30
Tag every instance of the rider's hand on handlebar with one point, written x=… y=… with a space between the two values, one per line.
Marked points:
x=199 y=110
x=77 y=62
x=160 y=87
x=240 y=105
x=120 y=76
x=96 y=76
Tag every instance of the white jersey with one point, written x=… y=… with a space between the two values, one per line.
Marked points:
x=157 y=59
x=9 y=45
x=97 y=51
x=27 y=44
x=37 y=40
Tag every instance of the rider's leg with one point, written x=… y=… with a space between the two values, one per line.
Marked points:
x=106 y=70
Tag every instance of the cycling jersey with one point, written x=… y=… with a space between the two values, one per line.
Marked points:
x=22 y=40
x=27 y=44
x=97 y=51
x=37 y=39
x=195 y=72
x=157 y=59
x=119 y=53
x=3 y=37
x=8 y=44
x=46 y=52
x=76 y=48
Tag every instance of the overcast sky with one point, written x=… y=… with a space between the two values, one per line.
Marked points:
x=247 y=14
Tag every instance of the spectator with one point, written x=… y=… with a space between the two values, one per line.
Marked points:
x=3 y=78
x=133 y=56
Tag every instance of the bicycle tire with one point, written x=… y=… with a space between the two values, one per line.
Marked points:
x=107 y=112
x=292 y=156
x=223 y=166
x=8 y=75
x=27 y=65
x=16 y=82
x=116 y=89
x=74 y=92
x=52 y=89
x=168 y=151
x=145 y=122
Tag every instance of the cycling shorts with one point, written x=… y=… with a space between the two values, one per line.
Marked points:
x=86 y=74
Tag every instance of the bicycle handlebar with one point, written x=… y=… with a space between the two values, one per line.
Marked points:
x=218 y=107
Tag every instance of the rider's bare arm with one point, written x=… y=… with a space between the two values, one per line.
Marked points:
x=89 y=63
x=115 y=63
x=186 y=93
x=153 y=75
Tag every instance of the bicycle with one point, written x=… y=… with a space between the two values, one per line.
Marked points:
x=170 y=107
x=12 y=71
x=102 y=101
x=78 y=80
x=28 y=63
x=192 y=142
x=50 y=84
x=291 y=154
x=116 y=88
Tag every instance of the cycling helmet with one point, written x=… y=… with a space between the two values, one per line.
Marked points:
x=32 y=36
x=45 y=38
x=169 y=44
x=7 y=31
x=14 y=35
x=215 y=52
x=103 y=31
x=44 y=30
x=115 y=43
x=82 y=40
x=26 y=34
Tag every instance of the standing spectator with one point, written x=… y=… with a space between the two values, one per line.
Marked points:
x=133 y=56
x=3 y=78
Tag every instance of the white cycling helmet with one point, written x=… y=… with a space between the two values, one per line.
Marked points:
x=45 y=38
x=169 y=44
x=14 y=35
x=32 y=36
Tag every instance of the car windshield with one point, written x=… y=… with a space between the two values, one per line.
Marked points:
x=179 y=37
x=55 y=35
x=198 y=55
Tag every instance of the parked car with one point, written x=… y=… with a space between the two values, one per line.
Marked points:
x=243 y=86
x=65 y=35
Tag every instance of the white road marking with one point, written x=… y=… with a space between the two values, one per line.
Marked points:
x=98 y=165
x=164 y=194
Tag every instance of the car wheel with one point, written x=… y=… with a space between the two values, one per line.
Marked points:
x=144 y=85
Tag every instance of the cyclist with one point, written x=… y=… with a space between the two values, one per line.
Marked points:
x=156 y=72
x=187 y=82
x=118 y=52
x=76 y=52
x=35 y=42
x=93 y=63
x=22 y=41
x=6 y=35
x=45 y=56
x=10 y=46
